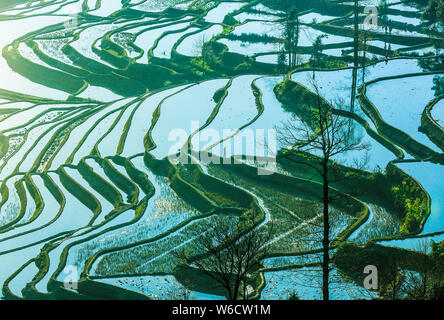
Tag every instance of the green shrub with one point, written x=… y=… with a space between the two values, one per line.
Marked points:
x=411 y=207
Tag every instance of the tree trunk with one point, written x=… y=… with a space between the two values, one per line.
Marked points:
x=203 y=63
x=326 y=236
x=236 y=290
x=355 y=55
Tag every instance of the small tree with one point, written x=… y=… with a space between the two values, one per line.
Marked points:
x=199 y=50
x=282 y=61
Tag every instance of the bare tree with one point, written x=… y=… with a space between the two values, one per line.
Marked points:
x=316 y=52
x=417 y=282
x=291 y=36
x=230 y=255
x=322 y=135
x=199 y=50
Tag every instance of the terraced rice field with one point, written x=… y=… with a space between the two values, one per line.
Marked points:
x=90 y=91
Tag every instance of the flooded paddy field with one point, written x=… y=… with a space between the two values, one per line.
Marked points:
x=129 y=128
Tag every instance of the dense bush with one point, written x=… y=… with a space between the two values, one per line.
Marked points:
x=412 y=207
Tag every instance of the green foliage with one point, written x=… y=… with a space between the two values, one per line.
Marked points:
x=351 y=259
x=107 y=291
x=219 y=94
x=293 y=296
x=412 y=208
x=139 y=177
